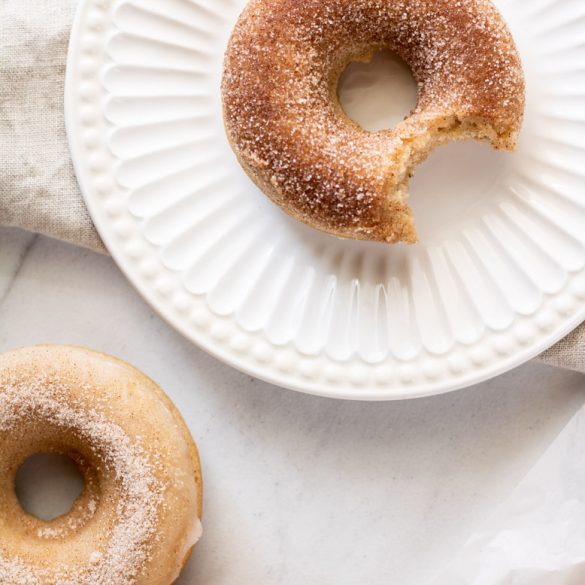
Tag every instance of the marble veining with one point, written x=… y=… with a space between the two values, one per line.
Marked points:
x=14 y=247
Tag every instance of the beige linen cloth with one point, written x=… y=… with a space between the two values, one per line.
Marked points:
x=38 y=190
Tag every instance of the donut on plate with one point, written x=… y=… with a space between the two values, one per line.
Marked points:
x=137 y=519
x=286 y=125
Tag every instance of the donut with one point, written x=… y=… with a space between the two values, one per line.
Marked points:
x=289 y=132
x=138 y=516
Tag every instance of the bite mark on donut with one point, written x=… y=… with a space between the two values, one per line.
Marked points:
x=290 y=134
x=417 y=148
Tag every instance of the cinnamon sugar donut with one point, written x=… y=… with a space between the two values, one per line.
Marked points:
x=285 y=123
x=138 y=517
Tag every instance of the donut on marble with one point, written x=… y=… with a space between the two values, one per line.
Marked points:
x=138 y=517
x=286 y=125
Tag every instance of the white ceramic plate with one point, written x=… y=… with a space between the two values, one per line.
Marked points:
x=499 y=274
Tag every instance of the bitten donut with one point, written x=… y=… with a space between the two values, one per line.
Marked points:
x=137 y=519
x=286 y=125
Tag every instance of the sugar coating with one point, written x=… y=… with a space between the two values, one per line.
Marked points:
x=140 y=492
x=290 y=134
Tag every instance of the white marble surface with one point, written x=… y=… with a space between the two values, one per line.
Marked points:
x=299 y=489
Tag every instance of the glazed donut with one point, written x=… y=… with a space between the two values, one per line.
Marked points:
x=137 y=519
x=286 y=125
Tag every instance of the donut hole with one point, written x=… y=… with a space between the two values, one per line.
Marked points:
x=47 y=485
x=378 y=94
